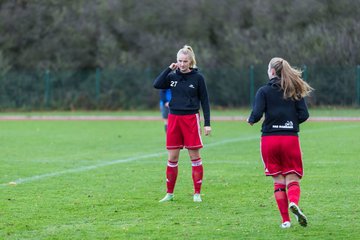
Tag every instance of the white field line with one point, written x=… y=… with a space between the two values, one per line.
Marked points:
x=82 y=169
x=147 y=118
x=131 y=159
x=113 y=162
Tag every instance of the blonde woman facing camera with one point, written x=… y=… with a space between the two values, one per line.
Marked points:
x=188 y=92
x=282 y=102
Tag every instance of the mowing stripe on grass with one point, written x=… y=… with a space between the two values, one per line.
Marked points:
x=131 y=159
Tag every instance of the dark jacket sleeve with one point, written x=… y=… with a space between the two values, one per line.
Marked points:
x=161 y=82
x=302 y=111
x=163 y=97
x=258 y=108
x=204 y=98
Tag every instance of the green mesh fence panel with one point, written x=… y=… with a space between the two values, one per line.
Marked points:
x=131 y=88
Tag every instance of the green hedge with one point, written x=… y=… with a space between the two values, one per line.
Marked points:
x=131 y=88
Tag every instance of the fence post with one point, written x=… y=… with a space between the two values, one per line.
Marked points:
x=251 y=75
x=358 y=85
x=47 y=88
x=305 y=73
x=97 y=84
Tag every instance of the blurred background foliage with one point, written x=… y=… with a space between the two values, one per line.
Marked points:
x=132 y=41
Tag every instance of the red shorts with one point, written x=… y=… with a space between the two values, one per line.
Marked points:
x=281 y=155
x=183 y=131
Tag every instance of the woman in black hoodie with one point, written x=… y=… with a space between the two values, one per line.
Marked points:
x=282 y=102
x=188 y=92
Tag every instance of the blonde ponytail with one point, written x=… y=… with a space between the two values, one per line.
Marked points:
x=292 y=84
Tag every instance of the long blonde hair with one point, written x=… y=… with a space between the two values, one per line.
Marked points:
x=292 y=84
x=187 y=50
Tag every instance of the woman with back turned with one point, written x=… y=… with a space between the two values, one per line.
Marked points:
x=188 y=92
x=282 y=102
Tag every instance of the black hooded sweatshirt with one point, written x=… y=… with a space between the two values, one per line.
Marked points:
x=188 y=91
x=282 y=116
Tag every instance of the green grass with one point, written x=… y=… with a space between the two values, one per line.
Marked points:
x=76 y=186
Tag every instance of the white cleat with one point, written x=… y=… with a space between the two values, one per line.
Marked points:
x=286 y=224
x=299 y=215
x=197 y=197
x=168 y=197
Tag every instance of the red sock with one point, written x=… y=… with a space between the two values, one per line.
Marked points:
x=282 y=200
x=294 y=192
x=171 y=175
x=197 y=174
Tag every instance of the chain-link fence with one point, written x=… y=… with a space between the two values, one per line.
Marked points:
x=131 y=88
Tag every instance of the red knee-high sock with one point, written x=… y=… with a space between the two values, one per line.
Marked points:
x=282 y=200
x=171 y=175
x=294 y=192
x=197 y=174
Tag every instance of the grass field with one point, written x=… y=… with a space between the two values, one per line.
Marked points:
x=103 y=180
